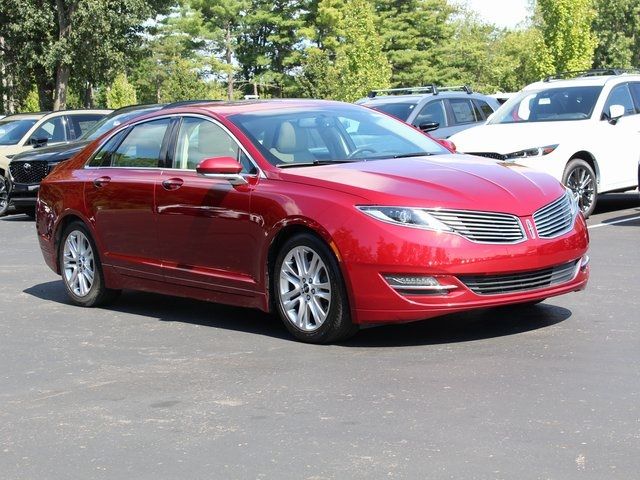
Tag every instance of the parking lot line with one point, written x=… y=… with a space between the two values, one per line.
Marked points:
x=604 y=224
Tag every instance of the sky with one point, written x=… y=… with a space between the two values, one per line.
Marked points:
x=504 y=13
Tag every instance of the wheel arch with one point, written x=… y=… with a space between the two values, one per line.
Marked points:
x=287 y=230
x=590 y=159
x=61 y=225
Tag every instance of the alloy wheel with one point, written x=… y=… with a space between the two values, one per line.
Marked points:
x=304 y=288
x=79 y=263
x=582 y=184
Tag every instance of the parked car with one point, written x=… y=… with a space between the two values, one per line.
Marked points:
x=22 y=132
x=330 y=214
x=441 y=111
x=585 y=131
x=27 y=169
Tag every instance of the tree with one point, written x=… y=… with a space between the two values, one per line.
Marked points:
x=413 y=31
x=347 y=60
x=566 y=29
x=617 y=29
x=121 y=93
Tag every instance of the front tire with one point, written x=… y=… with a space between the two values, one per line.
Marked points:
x=309 y=292
x=4 y=195
x=580 y=178
x=81 y=269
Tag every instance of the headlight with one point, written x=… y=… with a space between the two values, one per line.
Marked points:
x=573 y=201
x=408 y=217
x=531 y=152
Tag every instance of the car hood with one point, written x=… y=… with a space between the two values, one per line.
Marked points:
x=512 y=137
x=55 y=153
x=447 y=181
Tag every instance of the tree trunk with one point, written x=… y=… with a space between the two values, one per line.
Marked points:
x=229 y=61
x=63 y=70
x=62 y=83
x=45 y=88
x=88 y=95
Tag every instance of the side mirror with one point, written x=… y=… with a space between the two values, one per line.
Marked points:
x=448 y=144
x=429 y=126
x=222 y=168
x=38 y=142
x=615 y=113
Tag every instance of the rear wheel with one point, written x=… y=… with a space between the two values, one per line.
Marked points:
x=81 y=268
x=309 y=292
x=580 y=178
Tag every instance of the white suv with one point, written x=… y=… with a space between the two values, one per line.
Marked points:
x=585 y=131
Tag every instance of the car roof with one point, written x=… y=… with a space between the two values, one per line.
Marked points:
x=225 y=108
x=586 y=81
x=26 y=116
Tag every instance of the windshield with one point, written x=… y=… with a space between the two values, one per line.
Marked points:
x=327 y=134
x=398 y=110
x=549 y=105
x=11 y=131
x=112 y=121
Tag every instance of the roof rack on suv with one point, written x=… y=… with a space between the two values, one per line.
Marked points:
x=598 y=72
x=183 y=103
x=433 y=89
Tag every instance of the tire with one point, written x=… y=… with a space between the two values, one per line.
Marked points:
x=78 y=257
x=4 y=195
x=319 y=312
x=581 y=179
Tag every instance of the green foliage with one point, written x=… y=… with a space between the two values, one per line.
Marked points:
x=121 y=93
x=348 y=61
x=566 y=29
x=617 y=28
x=183 y=83
x=31 y=102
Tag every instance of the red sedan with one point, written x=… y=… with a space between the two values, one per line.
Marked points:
x=332 y=215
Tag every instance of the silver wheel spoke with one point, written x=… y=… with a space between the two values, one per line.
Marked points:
x=79 y=265
x=304 y=289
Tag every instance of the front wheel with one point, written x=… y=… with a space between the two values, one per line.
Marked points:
x=580 y=178
x=81 y=268
x=4 y=195
x=309 y=291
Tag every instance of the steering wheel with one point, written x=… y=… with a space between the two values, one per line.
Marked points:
x=361 y=150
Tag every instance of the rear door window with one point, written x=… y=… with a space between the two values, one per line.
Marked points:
x=141 y=148
x=81 y=123
x=484 y=107
x=463 y=111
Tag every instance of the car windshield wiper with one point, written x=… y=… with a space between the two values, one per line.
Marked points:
x=413 y=154
x=312 y=164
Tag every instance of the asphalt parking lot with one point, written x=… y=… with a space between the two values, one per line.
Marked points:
x=157 y=387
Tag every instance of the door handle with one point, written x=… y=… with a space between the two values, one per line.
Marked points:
x=172 y=183
x=101 y=181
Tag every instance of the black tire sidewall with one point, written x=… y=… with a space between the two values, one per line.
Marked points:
x=578 y=162
x=338 y=323
x=98 y=290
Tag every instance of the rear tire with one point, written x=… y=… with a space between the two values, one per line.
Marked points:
x=581 y=179
x=309 y=291
x=81 y=269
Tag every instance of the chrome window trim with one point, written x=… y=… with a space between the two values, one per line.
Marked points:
x=259 y=172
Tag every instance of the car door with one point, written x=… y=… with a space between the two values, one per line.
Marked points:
x=434 y=111
x=620 y=141
x=206 y=230
x=119 y=197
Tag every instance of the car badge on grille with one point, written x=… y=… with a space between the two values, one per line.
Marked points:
x=27 y=166
x=532 y=232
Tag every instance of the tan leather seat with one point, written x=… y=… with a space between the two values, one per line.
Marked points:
x=292 y=145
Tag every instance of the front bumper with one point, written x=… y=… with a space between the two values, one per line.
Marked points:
x=22 y=195
x=450 y=258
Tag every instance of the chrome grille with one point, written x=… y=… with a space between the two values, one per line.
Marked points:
x=28 y=172
x=518 y=282
x=494 y=155
x=554 y=219
x=483 y=227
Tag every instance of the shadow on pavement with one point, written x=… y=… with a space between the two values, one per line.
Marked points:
x=16 y=217
x=463 y=327
x=610 y=202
